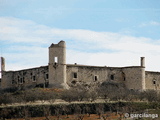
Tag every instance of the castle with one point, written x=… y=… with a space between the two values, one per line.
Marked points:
x=58 y=74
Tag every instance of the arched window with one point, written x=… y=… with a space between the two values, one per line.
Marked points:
x=112 y=77
x=95 y=78
x=154 y=82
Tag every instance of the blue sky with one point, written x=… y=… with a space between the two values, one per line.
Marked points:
x=97 y=32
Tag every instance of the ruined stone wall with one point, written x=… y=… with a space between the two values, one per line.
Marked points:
x=25 y=78
x=134 y=77
x=6 y=79
x=92 y=74
x=152 y=80
x=57 y=73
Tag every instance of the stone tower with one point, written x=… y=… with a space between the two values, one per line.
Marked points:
x=135 y=76
x=143 y=72
x=57 y=65
x=142 y=61
x=2 y=65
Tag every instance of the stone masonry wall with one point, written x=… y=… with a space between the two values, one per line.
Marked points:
x=6 y=79
x=134 y=77
x=25 y=78
x=92 y=74
x=152 y=80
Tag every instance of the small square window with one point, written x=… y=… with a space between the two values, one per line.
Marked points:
x=154 y=82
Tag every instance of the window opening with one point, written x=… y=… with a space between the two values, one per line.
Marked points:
x=47 y=76
x=21 y=80
x=18 y=79
x=154 y=82
x=12 y=81
x=74 y=75
x=56 y=59
x=124 y=77
x=31 y=75
x=112 y=77
x=34 y=78
x=95 y=78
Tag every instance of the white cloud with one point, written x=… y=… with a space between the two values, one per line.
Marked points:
x=154 y=23
x=151 y=23
x=26 y=43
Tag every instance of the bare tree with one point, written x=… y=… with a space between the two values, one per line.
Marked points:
x=78 y=112
x=69 y=95
x=7 y=98
x=43 y=96
x=87 y=110
x=66 y=110
x=99 y=110
x=112 y=91
x=104 y=92
x=151 y=95
x=91 y=94
x=4 y=113
x=47 y=112
x=29 y=96
x=26 y=113
x=51 y=96
x=58 y=112
x=81 y=92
